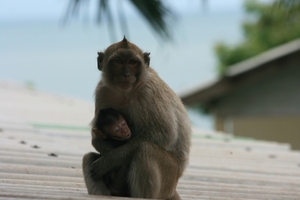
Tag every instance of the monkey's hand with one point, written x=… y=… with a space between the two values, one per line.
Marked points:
x=114 y=158
x=99 y=168
x=106 y=163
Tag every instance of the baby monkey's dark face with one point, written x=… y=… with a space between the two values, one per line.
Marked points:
x=119 y=130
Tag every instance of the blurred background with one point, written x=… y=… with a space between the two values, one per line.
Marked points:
x=218 y=56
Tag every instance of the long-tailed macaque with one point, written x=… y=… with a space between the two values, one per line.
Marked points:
x=112 y=128
x=158 y=151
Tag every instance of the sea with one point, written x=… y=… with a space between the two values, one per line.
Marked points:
x=61 y=58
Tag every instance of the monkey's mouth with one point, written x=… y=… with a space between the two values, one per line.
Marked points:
x=125 y=85
x=126 y=81
x=127 y=134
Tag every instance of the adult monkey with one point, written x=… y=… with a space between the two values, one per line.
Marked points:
x=158 y=152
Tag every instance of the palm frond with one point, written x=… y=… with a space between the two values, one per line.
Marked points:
x=157 y=15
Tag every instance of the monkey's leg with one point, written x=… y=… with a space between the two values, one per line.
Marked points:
x=119 y=182
x=175 y=196
x=94 y=187
x=154 y=173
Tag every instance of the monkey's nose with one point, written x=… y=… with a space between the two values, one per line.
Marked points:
x=128 y=134
x=126 y=72
x=126 y=75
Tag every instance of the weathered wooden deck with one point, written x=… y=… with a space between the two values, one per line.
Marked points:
x=43 y=138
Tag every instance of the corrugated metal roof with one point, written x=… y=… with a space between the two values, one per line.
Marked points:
x=43 y=138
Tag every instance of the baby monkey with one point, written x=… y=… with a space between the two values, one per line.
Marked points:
x=111 y=124
x=113 y=128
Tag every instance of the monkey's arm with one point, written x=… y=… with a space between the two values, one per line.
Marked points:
x=102 y=146
x=115 y=158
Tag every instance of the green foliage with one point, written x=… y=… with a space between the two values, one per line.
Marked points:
x=269 y=25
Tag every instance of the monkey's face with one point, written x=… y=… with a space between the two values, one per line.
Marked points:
x=124 y=69
x=123 y=64
x=118 y=130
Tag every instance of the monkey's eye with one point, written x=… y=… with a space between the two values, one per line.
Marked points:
x=123 y=123
x=120 y=61
x=132 y=62
x=116 y=129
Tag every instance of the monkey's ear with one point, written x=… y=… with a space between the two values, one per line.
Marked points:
x=99 y=133
x=147 y=58
x=100 y=59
